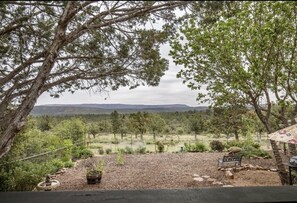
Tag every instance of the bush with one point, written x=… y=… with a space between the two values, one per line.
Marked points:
x=197 y=147
x=101 y=150
x=160 y=146
x=216 y=145
x=250 y=151
x=108 y=151
x=57 y=164
x=68 y=164
x=141 y=150
x=120 y=159
x=81 y=152
x=85 y=153
x=129 y=150
x=234 y=143
x=115 y=141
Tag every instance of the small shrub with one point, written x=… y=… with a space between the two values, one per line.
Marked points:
x=216 y=145
x=115 y=141
x=160 y=146
x=141 y=150
x=57 y=165
x=129 y=150
x=120 y=159
x=197 y=147
x=256 y=145
x=234 y=143
x=122 y=151
x=68 y=164
x=250 y=151
x=85 y=153
x=108 y=151
x=101 y=151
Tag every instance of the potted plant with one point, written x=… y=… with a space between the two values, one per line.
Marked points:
x=94 y=173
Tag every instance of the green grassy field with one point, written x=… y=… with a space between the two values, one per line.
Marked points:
x=173 y=143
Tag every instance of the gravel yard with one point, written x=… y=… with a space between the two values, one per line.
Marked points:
x=166 y=171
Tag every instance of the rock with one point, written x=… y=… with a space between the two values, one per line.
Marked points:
x=273 y=169
x=229 y=175
x=252 y=167
x=228 y=186
x=211 y=180
x=228 y=169
x=199 y=179
x=196 y=175
x=219 y=168
x=206 y=177
x=222 y=169
x=217 y=183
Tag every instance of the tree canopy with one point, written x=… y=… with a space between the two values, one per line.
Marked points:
x=60 y=46
x=245 y=53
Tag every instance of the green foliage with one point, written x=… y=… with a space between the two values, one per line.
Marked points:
x=57 y=164
x=250 y=151
x=100 y=166
x=243 y=56
x=160 y=146
x=74 y=129
x=115 y=141
x=44 y=123
x=129 y=150
x=101 y=151
x=108 y=151
x=217 y=145
x=234 y=143
x=115 y=122
x=197 y=147
x=68 y=164
x=81 y=152
x=27 y=175
x=141 y=150
x=120 y=159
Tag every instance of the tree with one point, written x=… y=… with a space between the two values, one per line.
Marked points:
x=44 y=123
x=115 y=122
x=73 y=129
x=196 y=124
x=123 y=128
x=156 y=124
x=70 y=45
x=93 y=129
x=245 y=52
x=228 y=120
x=139 y=122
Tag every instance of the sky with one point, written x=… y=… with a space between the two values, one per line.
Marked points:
x=171 y=90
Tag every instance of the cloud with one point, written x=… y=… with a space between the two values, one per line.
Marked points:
x=171 y=90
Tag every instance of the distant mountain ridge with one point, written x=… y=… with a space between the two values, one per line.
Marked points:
x=76 y=109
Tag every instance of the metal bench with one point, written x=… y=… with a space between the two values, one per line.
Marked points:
x=230 y=160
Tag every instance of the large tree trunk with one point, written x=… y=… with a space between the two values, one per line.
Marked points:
x=20 y=114
x=281 y=168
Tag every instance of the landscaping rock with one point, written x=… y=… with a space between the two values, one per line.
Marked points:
x=199 y=179
x=229 y=175
x=217 y=183
x=227 y=186
x=211 y=180
x=206 y=177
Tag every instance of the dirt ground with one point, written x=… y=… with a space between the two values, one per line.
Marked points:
x=166 y=171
